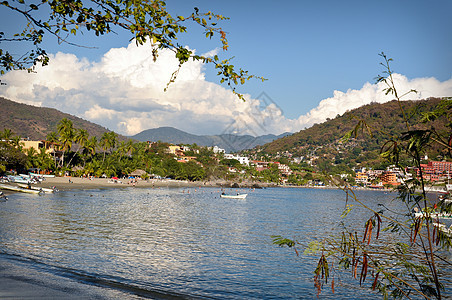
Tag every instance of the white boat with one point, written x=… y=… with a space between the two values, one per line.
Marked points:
x=434 y=215
x=41 y=175
x=45 y=190
x=32 y=179
x=238 y=196
x=442 y=227
x=16 y=179
x=449 y=187
x=18 y=189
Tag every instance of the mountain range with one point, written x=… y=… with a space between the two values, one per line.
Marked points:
x=36 y=123
x=229 y=142
x=321 y=140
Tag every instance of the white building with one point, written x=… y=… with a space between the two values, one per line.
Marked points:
x=242 y=159
x=217 y=149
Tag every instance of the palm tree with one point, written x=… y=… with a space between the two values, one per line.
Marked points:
x=81 y=138
x=31 y=157
x=125 y=148
x=108 y=142
x=52 y=137
x=121 y=149
x=90 y=146
x=129 y=147
x=43 y=159
x=15 y=142
x=7 y=134
x=67 y=135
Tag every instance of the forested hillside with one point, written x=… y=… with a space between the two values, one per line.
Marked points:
x=324 y=142
x=36 y=122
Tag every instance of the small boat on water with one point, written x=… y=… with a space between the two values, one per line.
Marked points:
x=18 y=189
x=434 y=215
x=443 y=228
x=238 y=196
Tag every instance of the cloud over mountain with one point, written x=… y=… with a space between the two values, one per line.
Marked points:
x=124 y=92
x=341 y=102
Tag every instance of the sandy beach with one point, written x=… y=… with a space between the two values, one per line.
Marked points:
x=68 y=183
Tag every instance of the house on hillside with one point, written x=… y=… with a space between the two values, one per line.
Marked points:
x=243 y=160
x=362 y=177
x=217 y=149
x=184 y=159
x=173 y=149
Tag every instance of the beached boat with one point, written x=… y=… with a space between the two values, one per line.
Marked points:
x=45 y=190
x=238 y=196
x=19 y=179
x=41 y=175
x=18 y=189
x=32 y=179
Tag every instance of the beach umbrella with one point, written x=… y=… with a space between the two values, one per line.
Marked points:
x=115 y=178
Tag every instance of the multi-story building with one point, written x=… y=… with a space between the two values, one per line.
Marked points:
x=242 y=159
x=38 y=145
x=389 y=177
x=362 y=177
x=436 y=170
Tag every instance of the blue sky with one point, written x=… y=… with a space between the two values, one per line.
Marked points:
x=318 y=57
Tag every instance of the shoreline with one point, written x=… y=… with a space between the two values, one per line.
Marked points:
x=71 y=183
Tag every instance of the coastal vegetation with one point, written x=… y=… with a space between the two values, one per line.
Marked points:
x=72 y=151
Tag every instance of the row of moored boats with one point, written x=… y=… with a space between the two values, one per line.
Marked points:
x=25 y=183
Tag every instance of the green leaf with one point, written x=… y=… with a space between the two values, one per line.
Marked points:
x=280 y=241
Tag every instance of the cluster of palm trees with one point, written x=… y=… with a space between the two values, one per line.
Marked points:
x=86 y=158
x=78 y=153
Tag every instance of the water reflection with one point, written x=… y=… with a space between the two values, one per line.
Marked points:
x=188 y=243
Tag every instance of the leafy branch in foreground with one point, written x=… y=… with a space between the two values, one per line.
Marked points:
x=401 y=250
x=145 y=21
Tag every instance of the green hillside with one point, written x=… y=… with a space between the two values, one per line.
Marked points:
x=324 y=144
x=36 y=122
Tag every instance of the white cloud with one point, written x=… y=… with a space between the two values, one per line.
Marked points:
x=341 y=102
x=125 y=93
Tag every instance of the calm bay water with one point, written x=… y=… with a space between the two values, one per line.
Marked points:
x=160 y=243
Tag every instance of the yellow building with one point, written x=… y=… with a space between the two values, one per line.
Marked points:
x=173 y=149
x=38 y=145
x=362 y=177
